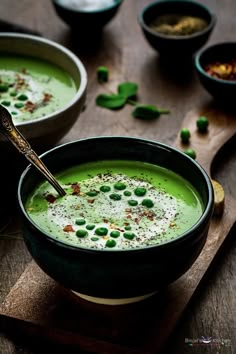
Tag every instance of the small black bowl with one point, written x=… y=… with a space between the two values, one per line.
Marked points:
x=123 y=275
x=177 y=45
x=221 y=89
x=88 y=21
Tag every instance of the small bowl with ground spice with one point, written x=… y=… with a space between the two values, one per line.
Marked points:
x=176 y=27
x=216 y=69
x=86 y=15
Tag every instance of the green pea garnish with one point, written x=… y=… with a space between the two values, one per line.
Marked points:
x=127 y=228
x=127 y=193
x=115 y=234
x=185 y=135
x=120 y=186
x=132 y=202
x=140 y=191
x=81 y=233
x=110 y=243
x=129 y=235
x=92 y=193
x=13 y=93
x=94 y=238
x=148 y=203
x=14 y=113
x=4 y=87
x=115 y=196
x=80 y=221
x=6 y=103
x=105 y=189
x=19 y=105
x=22 y=97
x=90 y=227
x=101 y=231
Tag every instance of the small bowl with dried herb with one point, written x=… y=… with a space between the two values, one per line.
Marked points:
x=178 y=27
x=216 y=69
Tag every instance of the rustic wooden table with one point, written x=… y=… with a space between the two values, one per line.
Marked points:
x=212 y=310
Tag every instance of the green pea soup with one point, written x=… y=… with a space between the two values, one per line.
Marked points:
x=32 y=88
x=116 y=205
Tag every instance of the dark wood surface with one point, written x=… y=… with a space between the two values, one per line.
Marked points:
x=212 y=311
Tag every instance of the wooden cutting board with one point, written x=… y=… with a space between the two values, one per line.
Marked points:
x=38 y=306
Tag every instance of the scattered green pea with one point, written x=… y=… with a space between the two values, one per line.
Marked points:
x=81 y=233
x=115 y=196
x=90 y=227
x=127 y=193
x=92 y=193
x=19 y=105
x=185 y=135
x=110 y=243
x=129 y=235
x=14 y=113
x=6 y=103
x=102 y=74
x=120 y=186
x=4 y=87
x=94 y=238
x=22 y=97
x=101 y=231
x=80 y=221
x=191 y=153
x=105 y=189
x=202 y=124
x=148 y=203
x=140 y=191
x=132 y=202
x=115 y=234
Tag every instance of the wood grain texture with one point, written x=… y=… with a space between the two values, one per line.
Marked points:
x=212 y=311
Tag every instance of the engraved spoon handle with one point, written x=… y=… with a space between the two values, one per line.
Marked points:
x=8 y=129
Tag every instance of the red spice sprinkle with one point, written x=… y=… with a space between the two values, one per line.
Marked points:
x=50 y=198
x=90 y=201
x=30 y=106
x=68 y=228
x=76 y=188
x=105 y=220
x=47 y=97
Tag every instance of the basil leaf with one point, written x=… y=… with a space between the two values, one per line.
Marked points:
x=146 y=112
x=111 y=101
x=128 y=89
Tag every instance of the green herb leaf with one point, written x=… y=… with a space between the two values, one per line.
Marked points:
x=128 y=89
x=146 y=112
x=111 y=101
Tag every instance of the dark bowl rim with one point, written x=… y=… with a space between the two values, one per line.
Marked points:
x=202 y=52
x=147 y=28
x=87 y=12
x=180 y=238
x=63 y=50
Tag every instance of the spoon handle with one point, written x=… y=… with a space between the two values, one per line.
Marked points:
x=17 y=139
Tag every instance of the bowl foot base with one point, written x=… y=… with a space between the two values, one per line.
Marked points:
x=108 y=301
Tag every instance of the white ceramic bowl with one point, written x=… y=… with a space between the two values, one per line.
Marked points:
x=46 y=131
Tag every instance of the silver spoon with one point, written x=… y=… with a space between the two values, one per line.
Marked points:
x=8 y=129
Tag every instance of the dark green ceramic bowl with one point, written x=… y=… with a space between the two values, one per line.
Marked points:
x=223 y=90
x=86 y=20
x=177 y=45
x=116 y=274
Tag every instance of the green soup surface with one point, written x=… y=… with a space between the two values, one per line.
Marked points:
x=117 y=205
x=32 y=88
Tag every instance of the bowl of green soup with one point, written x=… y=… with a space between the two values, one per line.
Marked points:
x=43 y=85
x=135 y=216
